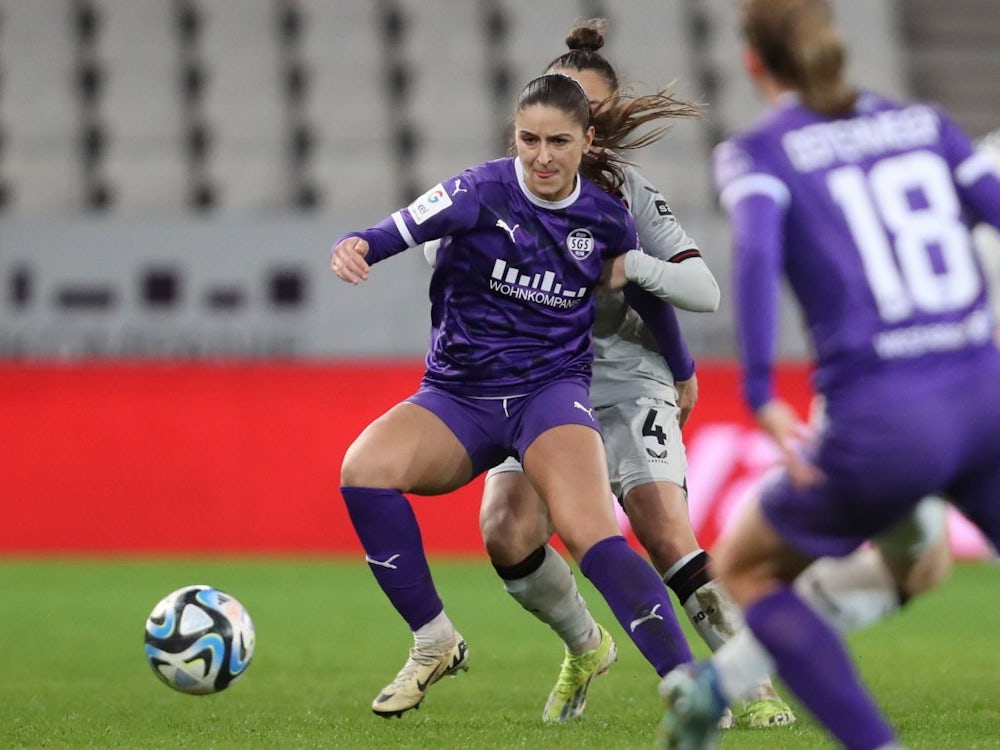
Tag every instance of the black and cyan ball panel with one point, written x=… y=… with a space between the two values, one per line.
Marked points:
x=199 y=640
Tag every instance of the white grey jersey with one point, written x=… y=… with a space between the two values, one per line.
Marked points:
x=627 y=362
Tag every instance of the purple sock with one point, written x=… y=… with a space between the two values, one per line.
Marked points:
x=639 y=600
x=814 y=663
x=394 y=549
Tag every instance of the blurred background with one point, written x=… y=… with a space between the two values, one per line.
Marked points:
x=174 y=172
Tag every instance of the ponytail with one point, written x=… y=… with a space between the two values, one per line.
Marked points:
x=800 y=46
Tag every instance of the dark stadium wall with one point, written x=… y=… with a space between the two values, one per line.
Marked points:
x=132 y=458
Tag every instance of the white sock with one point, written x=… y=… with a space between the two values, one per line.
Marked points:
x=714 y=614
x=849 y=592
x=437 y=632
x=718 y=620
x=710 y=609
x=742 y=665
x=550 y=594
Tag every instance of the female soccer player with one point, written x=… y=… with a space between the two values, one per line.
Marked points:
x=864 y=205
x=508 y=369
x=638 y=401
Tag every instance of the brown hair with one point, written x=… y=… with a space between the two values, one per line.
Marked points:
x=584 y=41
x=618 y=117
x=800 y=46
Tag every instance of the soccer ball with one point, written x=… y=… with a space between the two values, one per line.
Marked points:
x=199 y=640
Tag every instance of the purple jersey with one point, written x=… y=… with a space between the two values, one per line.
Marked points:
x=868 y=217
x=512 y=295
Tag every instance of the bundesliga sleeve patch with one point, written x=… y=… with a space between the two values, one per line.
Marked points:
x=433 y=202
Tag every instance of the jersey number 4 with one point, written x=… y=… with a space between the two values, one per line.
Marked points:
x=650 y=429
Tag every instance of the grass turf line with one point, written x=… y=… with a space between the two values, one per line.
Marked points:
x=74 y=676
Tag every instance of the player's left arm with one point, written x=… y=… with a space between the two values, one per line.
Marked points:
x=659 y=317
x=661 y=320
x=986 y=238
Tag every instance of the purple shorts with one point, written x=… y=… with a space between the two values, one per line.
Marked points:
x=886 y=446
x=491 y=429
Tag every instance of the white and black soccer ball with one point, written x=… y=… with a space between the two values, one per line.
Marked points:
x=199 y=640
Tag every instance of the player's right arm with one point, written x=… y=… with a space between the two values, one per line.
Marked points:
x=755 y=202
x=431 y=216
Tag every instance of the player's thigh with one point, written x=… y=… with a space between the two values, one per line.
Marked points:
x=751 y=557
x=513 y=519
x=916 y=550
x=409 y=449
x=566 y=464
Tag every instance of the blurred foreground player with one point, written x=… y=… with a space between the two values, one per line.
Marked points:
x=863 y=204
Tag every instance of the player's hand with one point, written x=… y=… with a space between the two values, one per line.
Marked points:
x=687 y=395
x=792 y=436
x=613 y=275
x=348 y=260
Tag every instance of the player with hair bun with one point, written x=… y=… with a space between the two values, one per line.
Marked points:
x=642 y=396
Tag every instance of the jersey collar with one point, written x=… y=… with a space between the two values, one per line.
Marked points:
x=567 y=201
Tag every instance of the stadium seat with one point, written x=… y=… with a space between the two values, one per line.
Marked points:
x=450 y=104
x=39 y=109
x=649 y=44
x=244 y=105
x=145 y=162
x=353 y=164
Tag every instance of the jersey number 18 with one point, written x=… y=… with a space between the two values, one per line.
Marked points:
x=899 y=213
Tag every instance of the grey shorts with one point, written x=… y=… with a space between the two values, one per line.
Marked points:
x=642 y=439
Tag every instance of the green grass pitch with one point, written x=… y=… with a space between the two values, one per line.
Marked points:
x=73 y=673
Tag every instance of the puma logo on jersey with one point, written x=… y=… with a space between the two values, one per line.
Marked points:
x=508 y=229
x=645 y=618
x=581 y=407
x=457 y=187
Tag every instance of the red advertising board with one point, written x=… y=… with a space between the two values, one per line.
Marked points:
x=230 y=458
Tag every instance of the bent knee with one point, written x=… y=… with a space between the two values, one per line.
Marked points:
x=367 y=469
x=509 y=539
